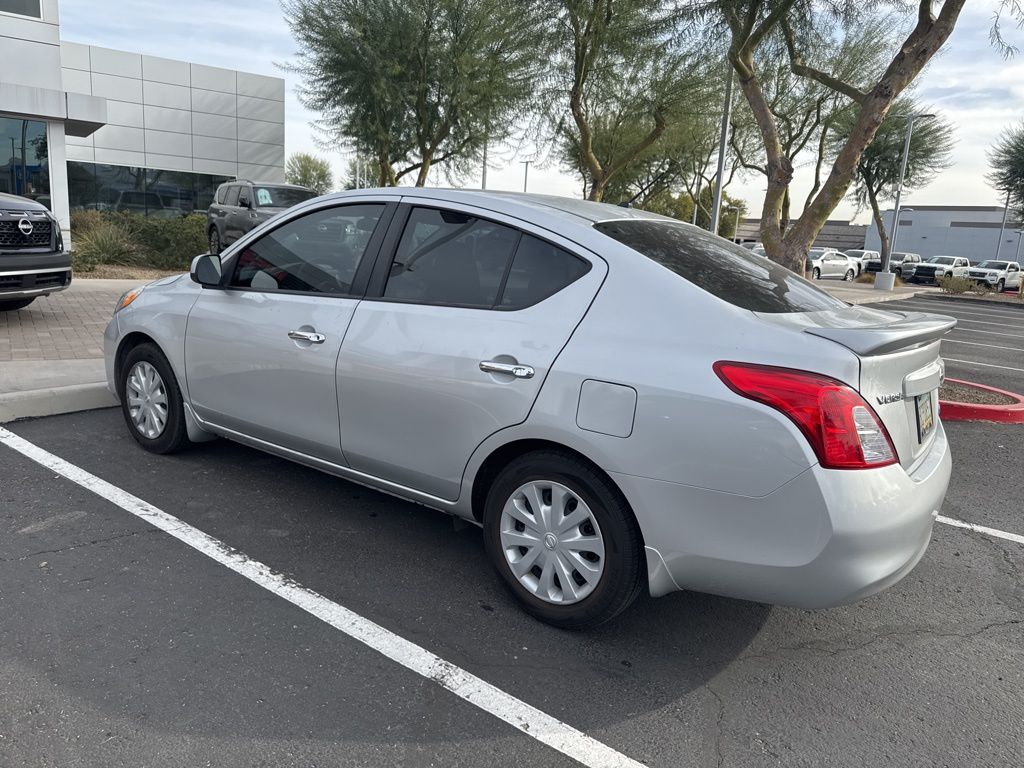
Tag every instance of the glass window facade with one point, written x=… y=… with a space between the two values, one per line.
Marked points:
x=26 y=164
x=146 y=191
x=21 y=7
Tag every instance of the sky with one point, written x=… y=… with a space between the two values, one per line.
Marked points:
x=970 y=84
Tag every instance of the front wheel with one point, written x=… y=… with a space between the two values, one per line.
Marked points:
x=564 y=540
x=15 y=304
x=151 y=400
x=816 y=273
x=1000 y=286
x=849 y=276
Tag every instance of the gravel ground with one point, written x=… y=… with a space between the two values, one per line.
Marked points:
x=961 y=393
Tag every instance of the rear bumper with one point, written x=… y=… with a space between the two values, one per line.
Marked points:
x=39 y=274
x=825 y=538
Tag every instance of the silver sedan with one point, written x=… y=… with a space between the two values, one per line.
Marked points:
x=621 y=401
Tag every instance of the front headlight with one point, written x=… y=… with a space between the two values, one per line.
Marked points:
x=128 y=297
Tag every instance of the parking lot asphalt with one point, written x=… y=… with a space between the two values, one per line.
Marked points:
x=121 y=646
x=987 y=345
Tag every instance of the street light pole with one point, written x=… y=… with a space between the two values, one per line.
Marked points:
x=882 y=280
x=1002 y=227
x=716 y=209
x=526 y=172
x=1020 y=233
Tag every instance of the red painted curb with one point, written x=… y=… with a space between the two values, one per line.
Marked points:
x=951 y=410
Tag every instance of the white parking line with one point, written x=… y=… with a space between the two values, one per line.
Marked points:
x=961 y=329
x=946 y=310
x=531 y=721
x=983 y=365
x=981 y=529
x=956 y=312
x=976 y=344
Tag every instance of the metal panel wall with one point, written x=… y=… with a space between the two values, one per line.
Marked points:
x=175 y=115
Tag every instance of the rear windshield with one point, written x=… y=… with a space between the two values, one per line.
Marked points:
x=280 y=197
x=720 y=267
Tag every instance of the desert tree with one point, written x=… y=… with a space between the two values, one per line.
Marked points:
x=1006 y=167
x=308 y=171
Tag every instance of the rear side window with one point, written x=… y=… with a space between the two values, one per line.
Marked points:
x=539 y=270
x=720 y=267
x=446 y=257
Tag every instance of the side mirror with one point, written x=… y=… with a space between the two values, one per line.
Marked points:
x=205 y=270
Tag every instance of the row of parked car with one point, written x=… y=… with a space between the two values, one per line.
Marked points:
x=911 y=267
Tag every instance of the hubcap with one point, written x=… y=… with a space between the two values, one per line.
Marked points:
x=147 y=400
x=552 y=542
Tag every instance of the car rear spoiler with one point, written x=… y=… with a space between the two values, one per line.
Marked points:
x=914 y=330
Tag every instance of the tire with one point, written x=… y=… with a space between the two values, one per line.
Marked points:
x=606 y=517
x=816 y=273
x=848 y=277
x=214 y=240
x=15 y=304
x=898 y=272
x=1000 y=286
x=173 y=435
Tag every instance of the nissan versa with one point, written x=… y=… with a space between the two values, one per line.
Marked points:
x=622 y=401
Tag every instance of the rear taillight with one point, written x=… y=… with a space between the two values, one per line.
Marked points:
x=841 y=427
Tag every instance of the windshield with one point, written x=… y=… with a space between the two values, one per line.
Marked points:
x=992 y=265
x=280 y=197
x=720 y=267
x=939 y=260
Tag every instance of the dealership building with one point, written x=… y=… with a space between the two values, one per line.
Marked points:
x=83 y=127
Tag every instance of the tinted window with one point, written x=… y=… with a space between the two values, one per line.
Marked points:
x=244 y=196
x=280 y=197
x=318 y=252
x=719 y=267
x=539 y=270
x=231 y=196
x=21 y=7
x=451 y=258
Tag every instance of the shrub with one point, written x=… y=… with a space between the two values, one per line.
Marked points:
x=107 y=242
x=170 y=243
x=951 y=284
x=980 y=289
x=866 y=277
x=136 y=240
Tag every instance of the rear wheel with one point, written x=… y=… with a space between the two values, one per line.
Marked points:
x=816 y=273
x=214 y=241
x=15 y=304
x=849 y=276
x=151 y=400
x=564 y=540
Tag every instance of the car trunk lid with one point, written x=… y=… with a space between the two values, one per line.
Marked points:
x=900 y=367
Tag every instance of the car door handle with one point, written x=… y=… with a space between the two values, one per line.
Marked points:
x=513 y=369
x=310 y=336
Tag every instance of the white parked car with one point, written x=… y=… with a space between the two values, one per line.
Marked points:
x=861 y=257
x=997 y=274
x=828 y=262
x=937 y=267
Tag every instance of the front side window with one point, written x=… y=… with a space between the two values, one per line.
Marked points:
x=316 y=253
x=720 y=267
x=446 y=257
x=231 y=196
x=21 y=7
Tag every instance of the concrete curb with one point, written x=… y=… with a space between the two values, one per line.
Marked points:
x=1004 y=414
x=54 y=400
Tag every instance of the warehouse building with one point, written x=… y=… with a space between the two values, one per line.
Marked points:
x=972 y=231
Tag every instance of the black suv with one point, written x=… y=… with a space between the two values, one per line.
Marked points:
x=240 y=205
x=33 y=261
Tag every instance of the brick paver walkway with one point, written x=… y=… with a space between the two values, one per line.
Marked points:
x=63 y=326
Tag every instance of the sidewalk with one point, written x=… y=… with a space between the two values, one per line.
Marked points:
x=51 y=352
x=865 y=293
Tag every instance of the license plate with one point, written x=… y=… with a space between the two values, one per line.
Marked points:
x=925 y=416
